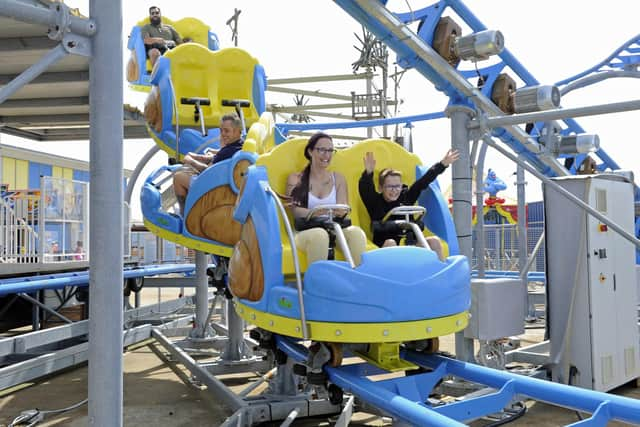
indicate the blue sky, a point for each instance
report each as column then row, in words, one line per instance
column 552, row 39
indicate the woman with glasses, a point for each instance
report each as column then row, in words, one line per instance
column 316, row 186
column 393, row 194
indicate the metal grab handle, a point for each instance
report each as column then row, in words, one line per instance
column 296, row 262
column 158, row 172
column 337, row 229
column 197, row 115
column 238, row 104
column 330, row 208
column 406, row 211
column 194, row 100
column 342, row 242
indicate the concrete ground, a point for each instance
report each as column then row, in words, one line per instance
column 157, row 392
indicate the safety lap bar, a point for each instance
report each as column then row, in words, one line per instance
column 408, row 211
column 342, row 241
column 296, row 262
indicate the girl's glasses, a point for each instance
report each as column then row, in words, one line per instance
column 325, row 150
column 393, row 187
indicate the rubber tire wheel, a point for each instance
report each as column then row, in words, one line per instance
column 336, row 395
column 336, row 354
column 135, row 284
column 434, row 345
column 281, row 357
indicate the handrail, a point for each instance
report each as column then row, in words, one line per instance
column 14, row 229
column 342, row 241
column 407, row 211
column 337, row 229
column 296, row 262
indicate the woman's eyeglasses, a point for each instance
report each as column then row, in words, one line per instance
column 326, row 150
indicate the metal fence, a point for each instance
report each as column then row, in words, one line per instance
column 18, row 235
column 501, row 247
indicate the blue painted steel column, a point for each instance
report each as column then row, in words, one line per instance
column 106, row 222
column 462, row 212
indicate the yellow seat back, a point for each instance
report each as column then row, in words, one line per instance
column 350, row 163
column 283, row 160
column 262, row 133
column 225, row 74
column 288, row 158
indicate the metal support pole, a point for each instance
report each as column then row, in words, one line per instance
column 48, row 59
column 559, row 114
column 462, row 213
column 202, row 297
column 41, row 222
column 369, row 92
column 52, row 16
column 235, row 326
column 522, row 236
column 136, row 172
column 35, row 312
column 480, row 242
column 38, row 304
column 106, row 240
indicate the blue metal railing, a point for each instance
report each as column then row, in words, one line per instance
column 81, row 278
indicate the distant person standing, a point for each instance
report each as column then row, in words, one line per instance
column 158, row 37
column 78, row 252
column 55, row 251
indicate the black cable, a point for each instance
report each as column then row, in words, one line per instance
column 573, row 371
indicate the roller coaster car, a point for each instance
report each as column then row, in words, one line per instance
column 188, row 84
column 139, row 67
column 395, row 295
column 208, row 225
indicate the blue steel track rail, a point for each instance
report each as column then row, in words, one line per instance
column 404, row 397
column 81, row 278
column 414, row 51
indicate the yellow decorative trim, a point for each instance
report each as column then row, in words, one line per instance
column 504, row 213
column 140, row 88
column 386, row 356
column 180, row 239
column 355, row 332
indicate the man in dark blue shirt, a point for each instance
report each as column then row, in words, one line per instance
column 230, row 142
